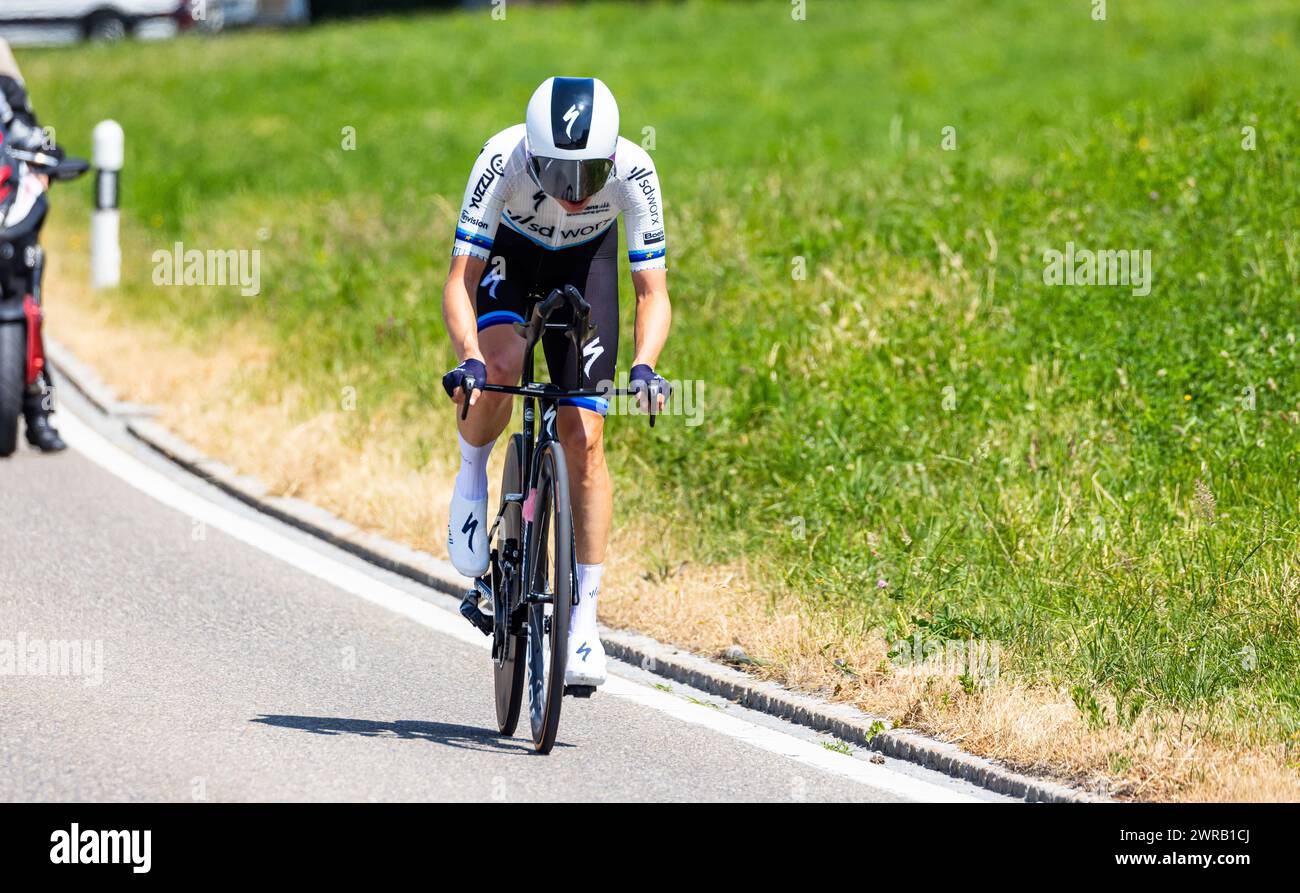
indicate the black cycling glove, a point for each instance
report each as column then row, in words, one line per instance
column 470, row 372
column 643, row 380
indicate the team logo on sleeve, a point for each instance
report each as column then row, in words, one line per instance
column 651, row 238
column 641, row 176
column 496, row 168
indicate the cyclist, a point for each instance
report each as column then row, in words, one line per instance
column 19, row 127
column 539, row 213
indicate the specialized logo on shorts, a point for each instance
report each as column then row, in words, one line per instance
column 591, row 351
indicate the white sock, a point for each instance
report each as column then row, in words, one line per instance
column 584, row 612
column 471, row 480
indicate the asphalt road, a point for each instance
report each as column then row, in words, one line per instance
column 227, row 673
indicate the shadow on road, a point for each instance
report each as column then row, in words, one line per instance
column 468, row 737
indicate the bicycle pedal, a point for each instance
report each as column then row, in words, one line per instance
column 579, row 691
column 469, row 610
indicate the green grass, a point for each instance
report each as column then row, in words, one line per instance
column 1094, row 493
column 837, row 746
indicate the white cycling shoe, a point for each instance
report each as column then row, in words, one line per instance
column 586, row 663
column 467, row 535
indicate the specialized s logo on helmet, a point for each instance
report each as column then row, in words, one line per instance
column 571, row 103
column 571, row 115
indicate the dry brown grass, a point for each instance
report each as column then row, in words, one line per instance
column 1037, row 729
column 202, row 390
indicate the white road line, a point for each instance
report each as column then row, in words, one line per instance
column 261, row 535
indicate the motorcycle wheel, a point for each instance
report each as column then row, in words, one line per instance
column 13, row 381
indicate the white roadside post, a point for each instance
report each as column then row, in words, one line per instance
column 105, row 249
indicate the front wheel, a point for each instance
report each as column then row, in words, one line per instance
column 13, row 381
column 550, row 572
column 508, row 641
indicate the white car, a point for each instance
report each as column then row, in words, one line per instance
column 63, row 21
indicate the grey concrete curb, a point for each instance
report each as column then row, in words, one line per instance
column 841, row 720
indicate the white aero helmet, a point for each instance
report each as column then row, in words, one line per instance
column 571, row 133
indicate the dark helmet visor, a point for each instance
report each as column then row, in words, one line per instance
column 570, row 179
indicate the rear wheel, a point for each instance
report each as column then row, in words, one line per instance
column 508, row 641
column 13, row 381
column 550, row 574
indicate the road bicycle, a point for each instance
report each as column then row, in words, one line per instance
column 530, row 583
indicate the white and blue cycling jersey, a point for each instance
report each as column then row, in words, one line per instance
column 501, row 193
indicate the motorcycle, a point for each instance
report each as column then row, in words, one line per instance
column 24, row 161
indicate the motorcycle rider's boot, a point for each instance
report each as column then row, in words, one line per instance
column 40, row 433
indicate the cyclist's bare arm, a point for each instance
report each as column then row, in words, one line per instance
column 458, row 313
column 654, row 316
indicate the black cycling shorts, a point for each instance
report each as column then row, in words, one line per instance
column 520, row 273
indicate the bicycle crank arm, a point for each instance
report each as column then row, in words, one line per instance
column 469, row 610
